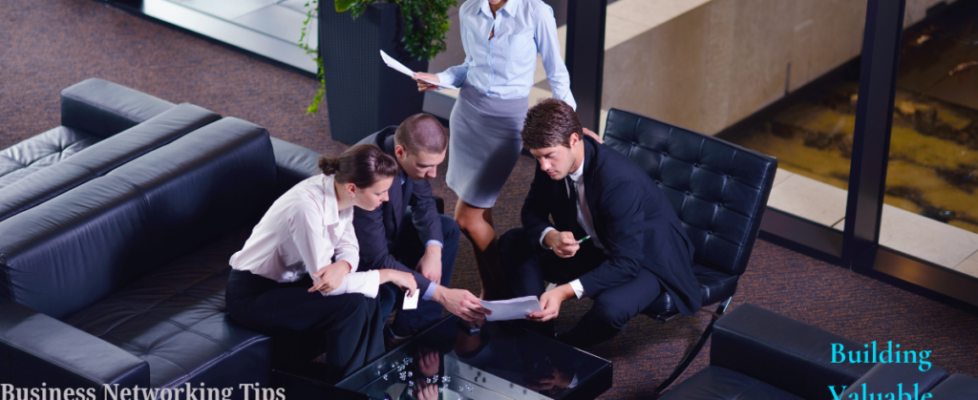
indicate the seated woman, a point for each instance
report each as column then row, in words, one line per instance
column 297, row 270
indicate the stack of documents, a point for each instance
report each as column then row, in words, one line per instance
column 391, row 62
column 517, row 308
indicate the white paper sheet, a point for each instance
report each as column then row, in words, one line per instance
column 391, row 62
column 517, row 308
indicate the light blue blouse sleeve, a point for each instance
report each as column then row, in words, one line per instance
column 455, row 75
column 545, row 37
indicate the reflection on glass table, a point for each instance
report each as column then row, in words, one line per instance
column 486, row 360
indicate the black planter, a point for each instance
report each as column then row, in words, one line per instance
column 363, row 95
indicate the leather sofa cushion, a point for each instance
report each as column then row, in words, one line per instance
column 295, row 163
column 885, row 378
column 718, row 383
column 957, row 387
column 77, row 248
column 32, row 155
column 782, row 352
column 103, row 108
column 98, row 158
column 174, row 318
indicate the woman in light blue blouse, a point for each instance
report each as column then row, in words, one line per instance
column 501, row 40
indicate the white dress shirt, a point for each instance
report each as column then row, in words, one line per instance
column 583, row 218
column 502, row 67
column 302, row 232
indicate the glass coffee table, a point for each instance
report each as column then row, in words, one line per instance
column 454, row 360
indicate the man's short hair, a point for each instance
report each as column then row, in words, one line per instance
column 550, row 123
column 421, row 132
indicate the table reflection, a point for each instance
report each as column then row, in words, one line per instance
column 458, row 360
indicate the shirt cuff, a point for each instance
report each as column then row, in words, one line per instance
column 445, row 77
column 542, row 236
column 430, row 291
column 353, row 260
column 433, row 241
column 366, row 283
column 578, row 288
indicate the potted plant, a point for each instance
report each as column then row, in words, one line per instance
column 363, row 95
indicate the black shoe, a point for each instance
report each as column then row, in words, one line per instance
column 391, row 340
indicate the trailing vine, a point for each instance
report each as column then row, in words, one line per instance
column 427, row 24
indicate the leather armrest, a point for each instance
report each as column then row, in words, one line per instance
column 104, row 108
column 294, row 163
column 36, row 349
column 782, row 352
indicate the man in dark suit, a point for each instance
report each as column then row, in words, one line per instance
column 636, row 246
column 419, row 241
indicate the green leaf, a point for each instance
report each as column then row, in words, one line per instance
column 343, row 5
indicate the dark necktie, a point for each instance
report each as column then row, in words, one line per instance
column 575, row 227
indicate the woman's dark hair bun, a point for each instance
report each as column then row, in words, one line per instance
column 361, row 165
column 329, row 165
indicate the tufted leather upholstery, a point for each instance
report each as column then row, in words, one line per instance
column 719, row 190
column 101, row 256
column 191, row 339
column 38, row 152
column 91, row 111
column 44, row 180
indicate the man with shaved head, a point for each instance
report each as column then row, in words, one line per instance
column 420, row 240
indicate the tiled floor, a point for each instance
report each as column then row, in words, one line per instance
column 270, row 28
column 909, row 233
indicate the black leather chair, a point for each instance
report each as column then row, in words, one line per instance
column 718, row 189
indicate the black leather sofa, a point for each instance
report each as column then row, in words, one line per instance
column 121, row 278
column 104, row 125
column 758, row 354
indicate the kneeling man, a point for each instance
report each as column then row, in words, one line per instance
column 614, row 238
column 418, row 240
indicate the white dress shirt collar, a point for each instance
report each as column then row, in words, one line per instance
column 576, row 175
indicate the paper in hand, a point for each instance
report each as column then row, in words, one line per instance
column 517, row 308
column 397, row 66
column 411, row 302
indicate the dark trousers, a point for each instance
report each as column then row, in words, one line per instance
column 348, row 327
column 528, row 265
column 408, row 250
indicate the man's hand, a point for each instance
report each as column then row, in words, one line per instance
column 563, row 243
column 330, row 277
column 430, row 265
column 593, row 135
column 550, row 303
column 428, row 363
column 403, row 280
column 460, row 302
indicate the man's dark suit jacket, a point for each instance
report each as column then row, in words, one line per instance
column 632, row 218
column 376, row 230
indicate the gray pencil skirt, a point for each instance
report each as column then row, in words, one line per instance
column 484, row 145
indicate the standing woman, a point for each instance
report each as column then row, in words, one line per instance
column 501, row 39
column 297, row 270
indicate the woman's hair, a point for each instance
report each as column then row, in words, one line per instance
column 362, row 165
